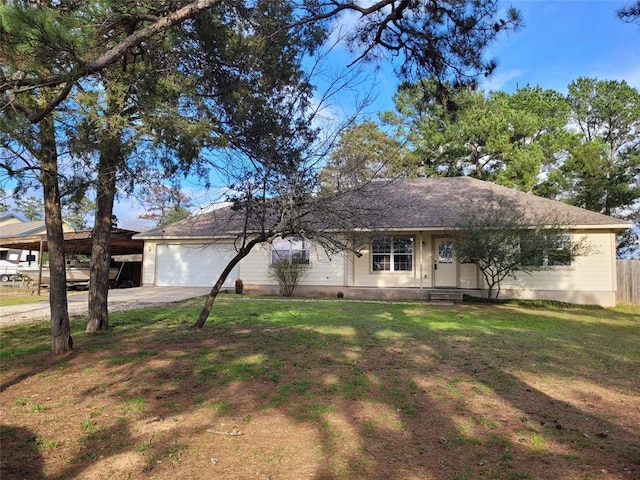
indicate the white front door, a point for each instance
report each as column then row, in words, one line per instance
column 445, row 265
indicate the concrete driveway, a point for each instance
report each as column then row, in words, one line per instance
column 119, row 299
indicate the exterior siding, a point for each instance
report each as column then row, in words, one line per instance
column 423, row 273
column 591, row 279
column 594, row 272
column 323, row 271
column 10, row 220
column 253, row 267
column 468, row 276
column 364, row 276
column 425, row 269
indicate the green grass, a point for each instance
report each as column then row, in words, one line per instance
column 9, row 298
column 47, row 444
column 220, row 407
column 388, row 370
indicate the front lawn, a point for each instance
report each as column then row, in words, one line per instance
column 299, row 389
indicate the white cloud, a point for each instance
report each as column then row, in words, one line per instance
column 498, row 80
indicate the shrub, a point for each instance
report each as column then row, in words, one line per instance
column 288, row 273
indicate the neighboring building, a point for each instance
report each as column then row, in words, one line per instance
column 8, row 219
column 410, row 258
column 12, row 226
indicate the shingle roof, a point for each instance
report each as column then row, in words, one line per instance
column 433, row 203
column 77, row 242
column 412, row 204
column 220, row 222
column 23, row 228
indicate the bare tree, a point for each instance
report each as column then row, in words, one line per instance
column 288, row 273
column 273, row 200
column 503, row 239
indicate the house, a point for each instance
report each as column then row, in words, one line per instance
column 409, row 255
column 13, row 226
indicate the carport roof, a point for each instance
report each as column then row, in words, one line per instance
column 78, row 242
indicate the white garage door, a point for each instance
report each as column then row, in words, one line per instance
column 193, row 265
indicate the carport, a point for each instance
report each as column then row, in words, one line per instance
column 126, row 251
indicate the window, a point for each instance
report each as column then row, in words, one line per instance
column 558, row 254
column 561, row 254
column 392, row 254
column 445, row 252
column 290, row 249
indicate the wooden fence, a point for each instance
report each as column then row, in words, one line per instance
column 628, row 282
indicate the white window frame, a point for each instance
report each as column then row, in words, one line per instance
column 564, row 241
column 290, row 248
column 393, row 252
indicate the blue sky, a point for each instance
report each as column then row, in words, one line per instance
column 563, row 40
column 560, row 41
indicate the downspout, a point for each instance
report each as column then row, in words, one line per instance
column 353, row 269
column 421, row 260
column 614, row 268
column 345, row 268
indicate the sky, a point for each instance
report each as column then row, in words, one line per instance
column 563, row 40
column 560, row 41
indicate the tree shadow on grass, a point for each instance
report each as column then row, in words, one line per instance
column 27, row 349
column 21, row 456
column 365, row 390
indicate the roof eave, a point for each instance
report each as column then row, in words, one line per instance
column 620, row 227
column 184, row 237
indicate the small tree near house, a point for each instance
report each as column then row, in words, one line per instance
column 293, row 208
column 289, row 263
column 503, row 239
column 288, row 274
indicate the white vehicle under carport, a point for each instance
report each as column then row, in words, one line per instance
column 8, row 270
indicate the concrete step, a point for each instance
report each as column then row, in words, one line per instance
column 446, row 296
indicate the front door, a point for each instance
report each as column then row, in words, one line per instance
column 445, row 266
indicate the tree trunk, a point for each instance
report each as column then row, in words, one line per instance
column 110, row 158
column 208, row 304
column 61, row 340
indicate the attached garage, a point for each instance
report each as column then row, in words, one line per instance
column 193, row 265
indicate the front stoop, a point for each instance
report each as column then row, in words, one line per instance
column 445, row 296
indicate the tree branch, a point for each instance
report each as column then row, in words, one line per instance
column 114, row 54
column 37, row 118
